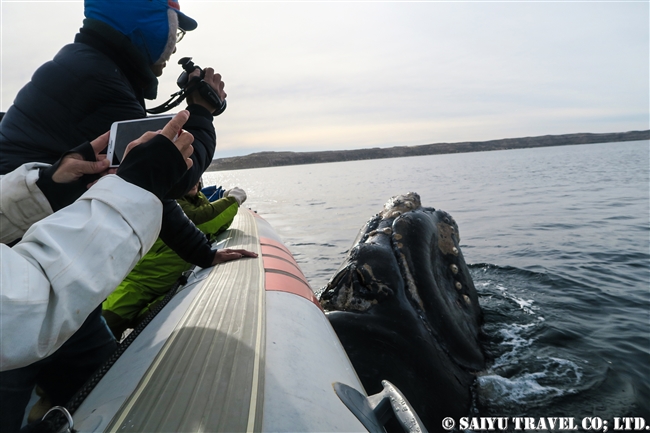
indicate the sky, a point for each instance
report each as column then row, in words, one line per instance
column 306, row 76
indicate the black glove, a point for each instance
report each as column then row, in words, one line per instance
column 61, row 195
column 211, row 96
column 155, row 165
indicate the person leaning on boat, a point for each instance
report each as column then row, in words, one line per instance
column 159, row 269
column 68, row 261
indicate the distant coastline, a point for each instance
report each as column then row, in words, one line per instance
column 276, row 159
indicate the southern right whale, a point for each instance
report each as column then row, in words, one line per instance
column 405, row 308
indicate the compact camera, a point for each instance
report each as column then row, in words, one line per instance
column 197, row 83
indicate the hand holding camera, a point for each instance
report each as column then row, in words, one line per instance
column 202, row 86
column 159, row 160
column 199, row 86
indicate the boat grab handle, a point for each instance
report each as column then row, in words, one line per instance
column 374, row 411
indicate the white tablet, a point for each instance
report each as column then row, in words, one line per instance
column 124, row 132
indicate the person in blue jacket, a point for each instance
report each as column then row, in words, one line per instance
column 103, row 77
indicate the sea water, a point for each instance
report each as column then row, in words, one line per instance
column 558, row 244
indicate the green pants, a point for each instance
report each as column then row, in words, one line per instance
column 147, row 283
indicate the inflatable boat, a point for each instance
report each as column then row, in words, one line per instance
column 241, row 346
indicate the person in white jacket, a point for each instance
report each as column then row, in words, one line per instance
column 69, row 261
column 22, row 202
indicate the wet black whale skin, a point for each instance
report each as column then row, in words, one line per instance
column 422, row 336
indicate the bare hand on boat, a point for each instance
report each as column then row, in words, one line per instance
column 227, row 255
column 73, row 165
column 174, row 132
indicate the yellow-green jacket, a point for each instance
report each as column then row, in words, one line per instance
column 159, row 269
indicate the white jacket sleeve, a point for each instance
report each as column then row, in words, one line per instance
column 21, row 202
column 66, row 265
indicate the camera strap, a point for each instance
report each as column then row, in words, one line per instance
column 204, row 89
column 170, row 103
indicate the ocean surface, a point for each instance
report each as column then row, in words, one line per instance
column 558, row 244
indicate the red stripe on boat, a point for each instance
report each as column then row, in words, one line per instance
column 282, row 272
column 275, row 248
column 289, row 284
column 285, row 266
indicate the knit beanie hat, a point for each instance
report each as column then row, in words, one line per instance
column 151, row 25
